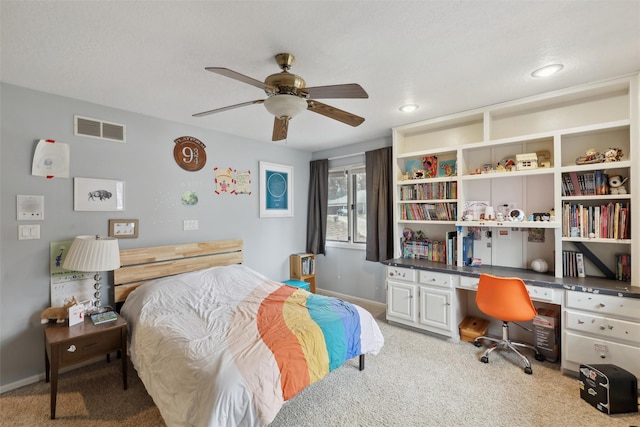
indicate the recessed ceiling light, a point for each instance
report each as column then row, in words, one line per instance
column 547, row 70
column 409, row 108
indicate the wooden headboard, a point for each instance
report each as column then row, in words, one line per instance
column 142, row 264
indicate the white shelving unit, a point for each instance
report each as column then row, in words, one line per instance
column 565, row 124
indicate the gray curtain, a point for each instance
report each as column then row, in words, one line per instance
column 317, row 206
column 379, row 205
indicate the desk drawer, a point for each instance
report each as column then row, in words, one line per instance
column 84, row 348
column 586, row 350
column 440, row 280
column 471, row 283
column 539, row 293
column 602, row 326
column 400, row 273
column 604, row 304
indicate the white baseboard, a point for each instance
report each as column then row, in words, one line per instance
column 40, row 377
column 351, row 298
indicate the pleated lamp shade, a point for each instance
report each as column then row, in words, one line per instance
column 93, row 253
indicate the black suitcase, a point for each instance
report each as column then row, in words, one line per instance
column 609, row 388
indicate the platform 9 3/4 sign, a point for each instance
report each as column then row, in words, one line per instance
column 189, row 153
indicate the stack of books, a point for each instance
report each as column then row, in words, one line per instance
column 105, row 317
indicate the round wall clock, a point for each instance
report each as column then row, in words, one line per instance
column 189, row 153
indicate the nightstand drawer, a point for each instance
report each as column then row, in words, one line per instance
column 86, row 347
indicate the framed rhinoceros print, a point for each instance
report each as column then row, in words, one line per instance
column 98, row 194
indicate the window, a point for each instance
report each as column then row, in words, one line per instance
column 347, row 205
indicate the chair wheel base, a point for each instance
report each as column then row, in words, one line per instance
column 484, row 359
column 528, row 370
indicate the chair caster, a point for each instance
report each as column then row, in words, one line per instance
column 539, row 357
column 477, row 343
column 484, row 359
column 528, row 370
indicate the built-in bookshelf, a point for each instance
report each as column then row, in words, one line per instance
column 546, row 156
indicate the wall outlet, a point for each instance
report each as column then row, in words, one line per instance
column 190, row 224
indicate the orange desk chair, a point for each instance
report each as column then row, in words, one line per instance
column 506, row 299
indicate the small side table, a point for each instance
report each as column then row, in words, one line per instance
column 68, row 345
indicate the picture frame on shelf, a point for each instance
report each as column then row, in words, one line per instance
column 276, row 190
column 430, row 166
column 103, row 195
column 447, row 168
column 124, row 228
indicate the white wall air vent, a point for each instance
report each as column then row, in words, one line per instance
column 94, row 128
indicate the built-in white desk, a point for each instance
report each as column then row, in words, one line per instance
column 599, row 318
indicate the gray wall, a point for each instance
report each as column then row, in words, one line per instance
column 345, row 271
column 154, row 184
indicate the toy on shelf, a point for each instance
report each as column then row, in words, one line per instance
column 616, row 185
column 613, row 155
column 594, row 156
column 58, row 313
column 526, row 161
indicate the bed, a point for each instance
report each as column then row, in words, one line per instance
column 216, row 343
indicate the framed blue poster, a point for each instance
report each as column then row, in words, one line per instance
column 276, row 190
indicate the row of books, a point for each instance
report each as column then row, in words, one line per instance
column 623, row 267
column 610, row 221
column 428, row 211
column 429, row 191
column 587, row 184
column 443, row 251
column 308, row 265
column 572, row 264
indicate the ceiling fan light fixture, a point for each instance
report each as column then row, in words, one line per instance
column 547, row 70
column 283, row 106
column 409, row 108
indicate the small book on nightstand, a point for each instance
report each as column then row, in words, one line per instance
column 107, row 316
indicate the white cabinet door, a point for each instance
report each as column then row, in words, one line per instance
column 401, row 302
column 435, row 308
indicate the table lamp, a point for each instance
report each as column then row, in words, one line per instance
column 93, row 254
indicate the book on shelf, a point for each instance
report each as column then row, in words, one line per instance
column 104, row 317
column 580, row 264
column 623, row 267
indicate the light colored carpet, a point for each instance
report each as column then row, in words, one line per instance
column 417, row 380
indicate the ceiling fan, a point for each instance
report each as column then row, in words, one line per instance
column 288, row 95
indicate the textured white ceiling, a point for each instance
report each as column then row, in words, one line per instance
column 447, row 56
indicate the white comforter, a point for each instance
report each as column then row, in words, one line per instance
column 227, row 347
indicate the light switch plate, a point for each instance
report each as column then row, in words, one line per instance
column 28, row 232
column 190, row 224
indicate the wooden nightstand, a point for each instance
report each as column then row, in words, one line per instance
column 68, row 345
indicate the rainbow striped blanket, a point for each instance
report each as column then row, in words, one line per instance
column 227, row 346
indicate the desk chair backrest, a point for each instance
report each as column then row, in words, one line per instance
column 504, row 298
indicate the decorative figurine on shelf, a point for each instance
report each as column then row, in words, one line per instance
column 616, row 185
column 591, row 156
column 613, row 155
column 58, row 313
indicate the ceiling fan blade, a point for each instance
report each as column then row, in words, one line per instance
column 229, row 107
column 280, row 127
column 241, row 77
column 351, row 90
column 334, row 113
